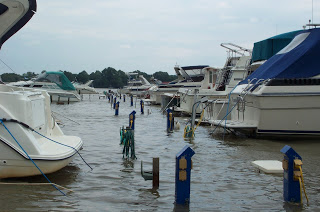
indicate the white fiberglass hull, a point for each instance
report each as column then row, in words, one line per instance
column 63, row 96
column 26, row 126
column 14, row 163
column 278, row 110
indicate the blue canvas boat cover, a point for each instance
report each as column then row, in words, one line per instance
column 299, row 59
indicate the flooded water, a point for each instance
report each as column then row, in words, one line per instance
column 222, row 177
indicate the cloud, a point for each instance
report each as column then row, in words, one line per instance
column 146, row 34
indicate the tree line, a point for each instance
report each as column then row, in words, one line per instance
column 107, row 78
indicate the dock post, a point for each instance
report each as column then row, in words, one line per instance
column 117, row 108
column 155, row 171
column 292, row 174
column 132, row 117
column 114, row 102
column 124, row 98
column 183, row 175
column 142, row 106
column 170, row 120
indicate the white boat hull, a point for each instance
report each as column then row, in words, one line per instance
column 12, row 164
column 273, row 110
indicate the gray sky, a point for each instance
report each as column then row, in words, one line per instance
column 145, row 35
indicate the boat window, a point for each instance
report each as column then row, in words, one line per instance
column 3, row 8
column 210, row 76
column 37, row 86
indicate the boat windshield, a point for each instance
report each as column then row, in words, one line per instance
column 194, row 73
column 56, row 77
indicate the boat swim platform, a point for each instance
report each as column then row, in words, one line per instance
column 234, row 124
column 203, row 122
column 268, row 166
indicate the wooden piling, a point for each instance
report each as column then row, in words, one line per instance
column 155, row 170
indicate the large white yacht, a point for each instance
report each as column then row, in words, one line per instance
column 282, row 96
column 27, row 129
column 217, row 106
column 217, row 83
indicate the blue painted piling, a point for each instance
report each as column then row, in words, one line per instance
column 183, row 175
column 132, row 117
column 291, row 186
column 114, row 102
column 170, row 120
column 142, row 106
column 117, row 108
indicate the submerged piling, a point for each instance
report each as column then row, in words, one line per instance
column 155, row 170
column 117, row 108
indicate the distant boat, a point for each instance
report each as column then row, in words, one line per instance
column 55, row 83
column 189, row 77
column 85, row 88
column 137, row 85
column 28, row 133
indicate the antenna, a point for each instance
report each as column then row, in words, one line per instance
column 312, row 12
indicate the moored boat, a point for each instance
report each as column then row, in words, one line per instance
column 281, row 97
column 31, row 142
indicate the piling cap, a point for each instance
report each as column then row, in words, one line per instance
column 287, row 150
column 185, row 151
column 133, row 112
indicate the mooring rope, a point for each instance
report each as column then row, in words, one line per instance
column 37, row 184
column 31, row 159
column 33, row 130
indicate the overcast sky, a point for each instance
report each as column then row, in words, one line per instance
column 146, row 35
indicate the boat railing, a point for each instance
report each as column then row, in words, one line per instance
column 236, row 49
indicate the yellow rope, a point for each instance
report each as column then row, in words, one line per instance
column 304, row 189
column 300, row 190
column 198, row 122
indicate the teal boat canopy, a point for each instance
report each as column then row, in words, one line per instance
column 56, row 77
column 265, row 49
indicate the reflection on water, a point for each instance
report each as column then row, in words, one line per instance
column 222, row 176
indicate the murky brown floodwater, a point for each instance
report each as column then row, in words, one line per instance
column 222, row 178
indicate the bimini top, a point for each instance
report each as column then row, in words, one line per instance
column 56, row 77
column 265, row 49
column 299, row 59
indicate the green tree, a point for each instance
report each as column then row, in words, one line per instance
column 97, row 79
column 70, row 76
column 11, row 77
column 164, row 76
column 82, row 77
